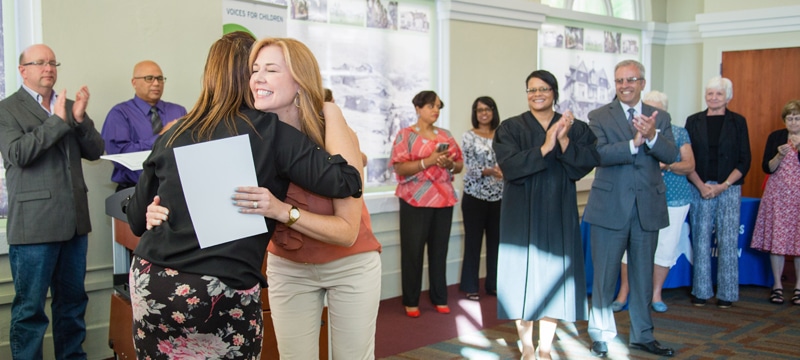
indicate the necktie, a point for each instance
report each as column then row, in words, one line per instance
column 155, row 120
column 631, row 111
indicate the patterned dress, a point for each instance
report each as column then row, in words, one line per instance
column 777, row 230
column 206, row 318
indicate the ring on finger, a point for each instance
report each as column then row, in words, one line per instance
column 255, row 204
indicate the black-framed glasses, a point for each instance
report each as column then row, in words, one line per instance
column 42, row 63
column 535, row 90
column 630, row 80
column 483, row 110
column 150, row 78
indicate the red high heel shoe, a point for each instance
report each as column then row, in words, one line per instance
column 442, row 309
column 412, row 313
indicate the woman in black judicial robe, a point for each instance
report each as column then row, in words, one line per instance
column 540, row 262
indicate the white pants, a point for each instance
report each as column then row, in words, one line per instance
column 668, row 238
column 296, row 298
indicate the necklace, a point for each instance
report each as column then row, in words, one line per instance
column 435, row 131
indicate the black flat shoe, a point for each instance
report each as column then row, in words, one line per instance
column 722, row 304
column 654, row 347
column 696, row 301
column 599, row 348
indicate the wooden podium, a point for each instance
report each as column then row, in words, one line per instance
column 120, row 325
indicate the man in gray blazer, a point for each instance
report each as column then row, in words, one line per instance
column 627, row 206
column 43, row 137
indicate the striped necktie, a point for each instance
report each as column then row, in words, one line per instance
column 155, row 120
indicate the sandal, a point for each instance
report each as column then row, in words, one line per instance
column 776, row 296
column 796, row 297
column 473, row 296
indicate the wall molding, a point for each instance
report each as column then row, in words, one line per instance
column 749, row 22
column 513, row 13
column 679, row 33
column 98, row 278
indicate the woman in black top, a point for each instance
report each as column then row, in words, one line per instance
column 721, row 148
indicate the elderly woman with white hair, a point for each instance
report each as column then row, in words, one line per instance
column 679, row 196
column 721, row 148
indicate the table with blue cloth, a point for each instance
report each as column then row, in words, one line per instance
column 754, row 266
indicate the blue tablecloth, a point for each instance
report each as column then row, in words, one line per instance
column 754, row 266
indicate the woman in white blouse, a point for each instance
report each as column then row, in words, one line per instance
column 480, row 205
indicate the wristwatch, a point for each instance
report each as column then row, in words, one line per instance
column 294, row 215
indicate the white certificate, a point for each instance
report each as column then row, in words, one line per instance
column 133, row 161
column 210, row 172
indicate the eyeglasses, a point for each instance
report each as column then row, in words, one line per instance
column 793, row 118
column 535, row 90
column 150, row 78
column 483, row 110
column 42, row 63
column 630, row 80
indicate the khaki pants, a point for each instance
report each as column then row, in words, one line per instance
column 296, row 296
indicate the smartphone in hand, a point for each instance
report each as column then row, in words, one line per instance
column 442, row 147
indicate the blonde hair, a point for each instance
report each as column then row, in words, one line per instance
column 305, row 71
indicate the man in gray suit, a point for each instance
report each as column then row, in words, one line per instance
column 627, row 206
column 43, row 137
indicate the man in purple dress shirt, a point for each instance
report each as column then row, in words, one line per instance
column 135, row 124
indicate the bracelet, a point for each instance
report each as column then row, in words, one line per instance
column 727, row 183
column 422, row 164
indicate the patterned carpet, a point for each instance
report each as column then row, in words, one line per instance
column 751, row 329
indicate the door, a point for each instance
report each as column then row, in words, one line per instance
column 763, row 81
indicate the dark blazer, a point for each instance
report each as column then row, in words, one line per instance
column 734, row 145
column 47, row 195
column 623, row 178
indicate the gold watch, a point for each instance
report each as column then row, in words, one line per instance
column 294, row 215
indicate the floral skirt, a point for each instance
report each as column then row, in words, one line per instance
column 188, row 316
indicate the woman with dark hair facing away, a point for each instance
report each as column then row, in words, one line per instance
column 777, row 230
column 424, row 158
column 540, row 273
column 197, row 302
column 480, row 204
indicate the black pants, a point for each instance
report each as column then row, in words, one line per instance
column 420, row 226
column 479, row 217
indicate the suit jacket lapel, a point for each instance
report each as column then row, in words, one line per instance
column 30, row 104
column 616, row 113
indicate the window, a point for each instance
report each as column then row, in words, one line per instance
column 624, row 9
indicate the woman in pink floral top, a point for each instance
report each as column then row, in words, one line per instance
column 424, row 185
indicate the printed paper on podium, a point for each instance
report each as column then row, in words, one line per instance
column 210, row 172
column 133, row 161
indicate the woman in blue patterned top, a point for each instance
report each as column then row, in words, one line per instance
column 679, row 196
column 480, row 205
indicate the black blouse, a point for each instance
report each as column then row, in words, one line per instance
column 281, row 154
column 777, row 138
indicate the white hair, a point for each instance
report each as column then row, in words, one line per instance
column 721, row 83
column 658, row 97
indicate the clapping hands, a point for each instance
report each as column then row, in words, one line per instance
column 645, row 128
